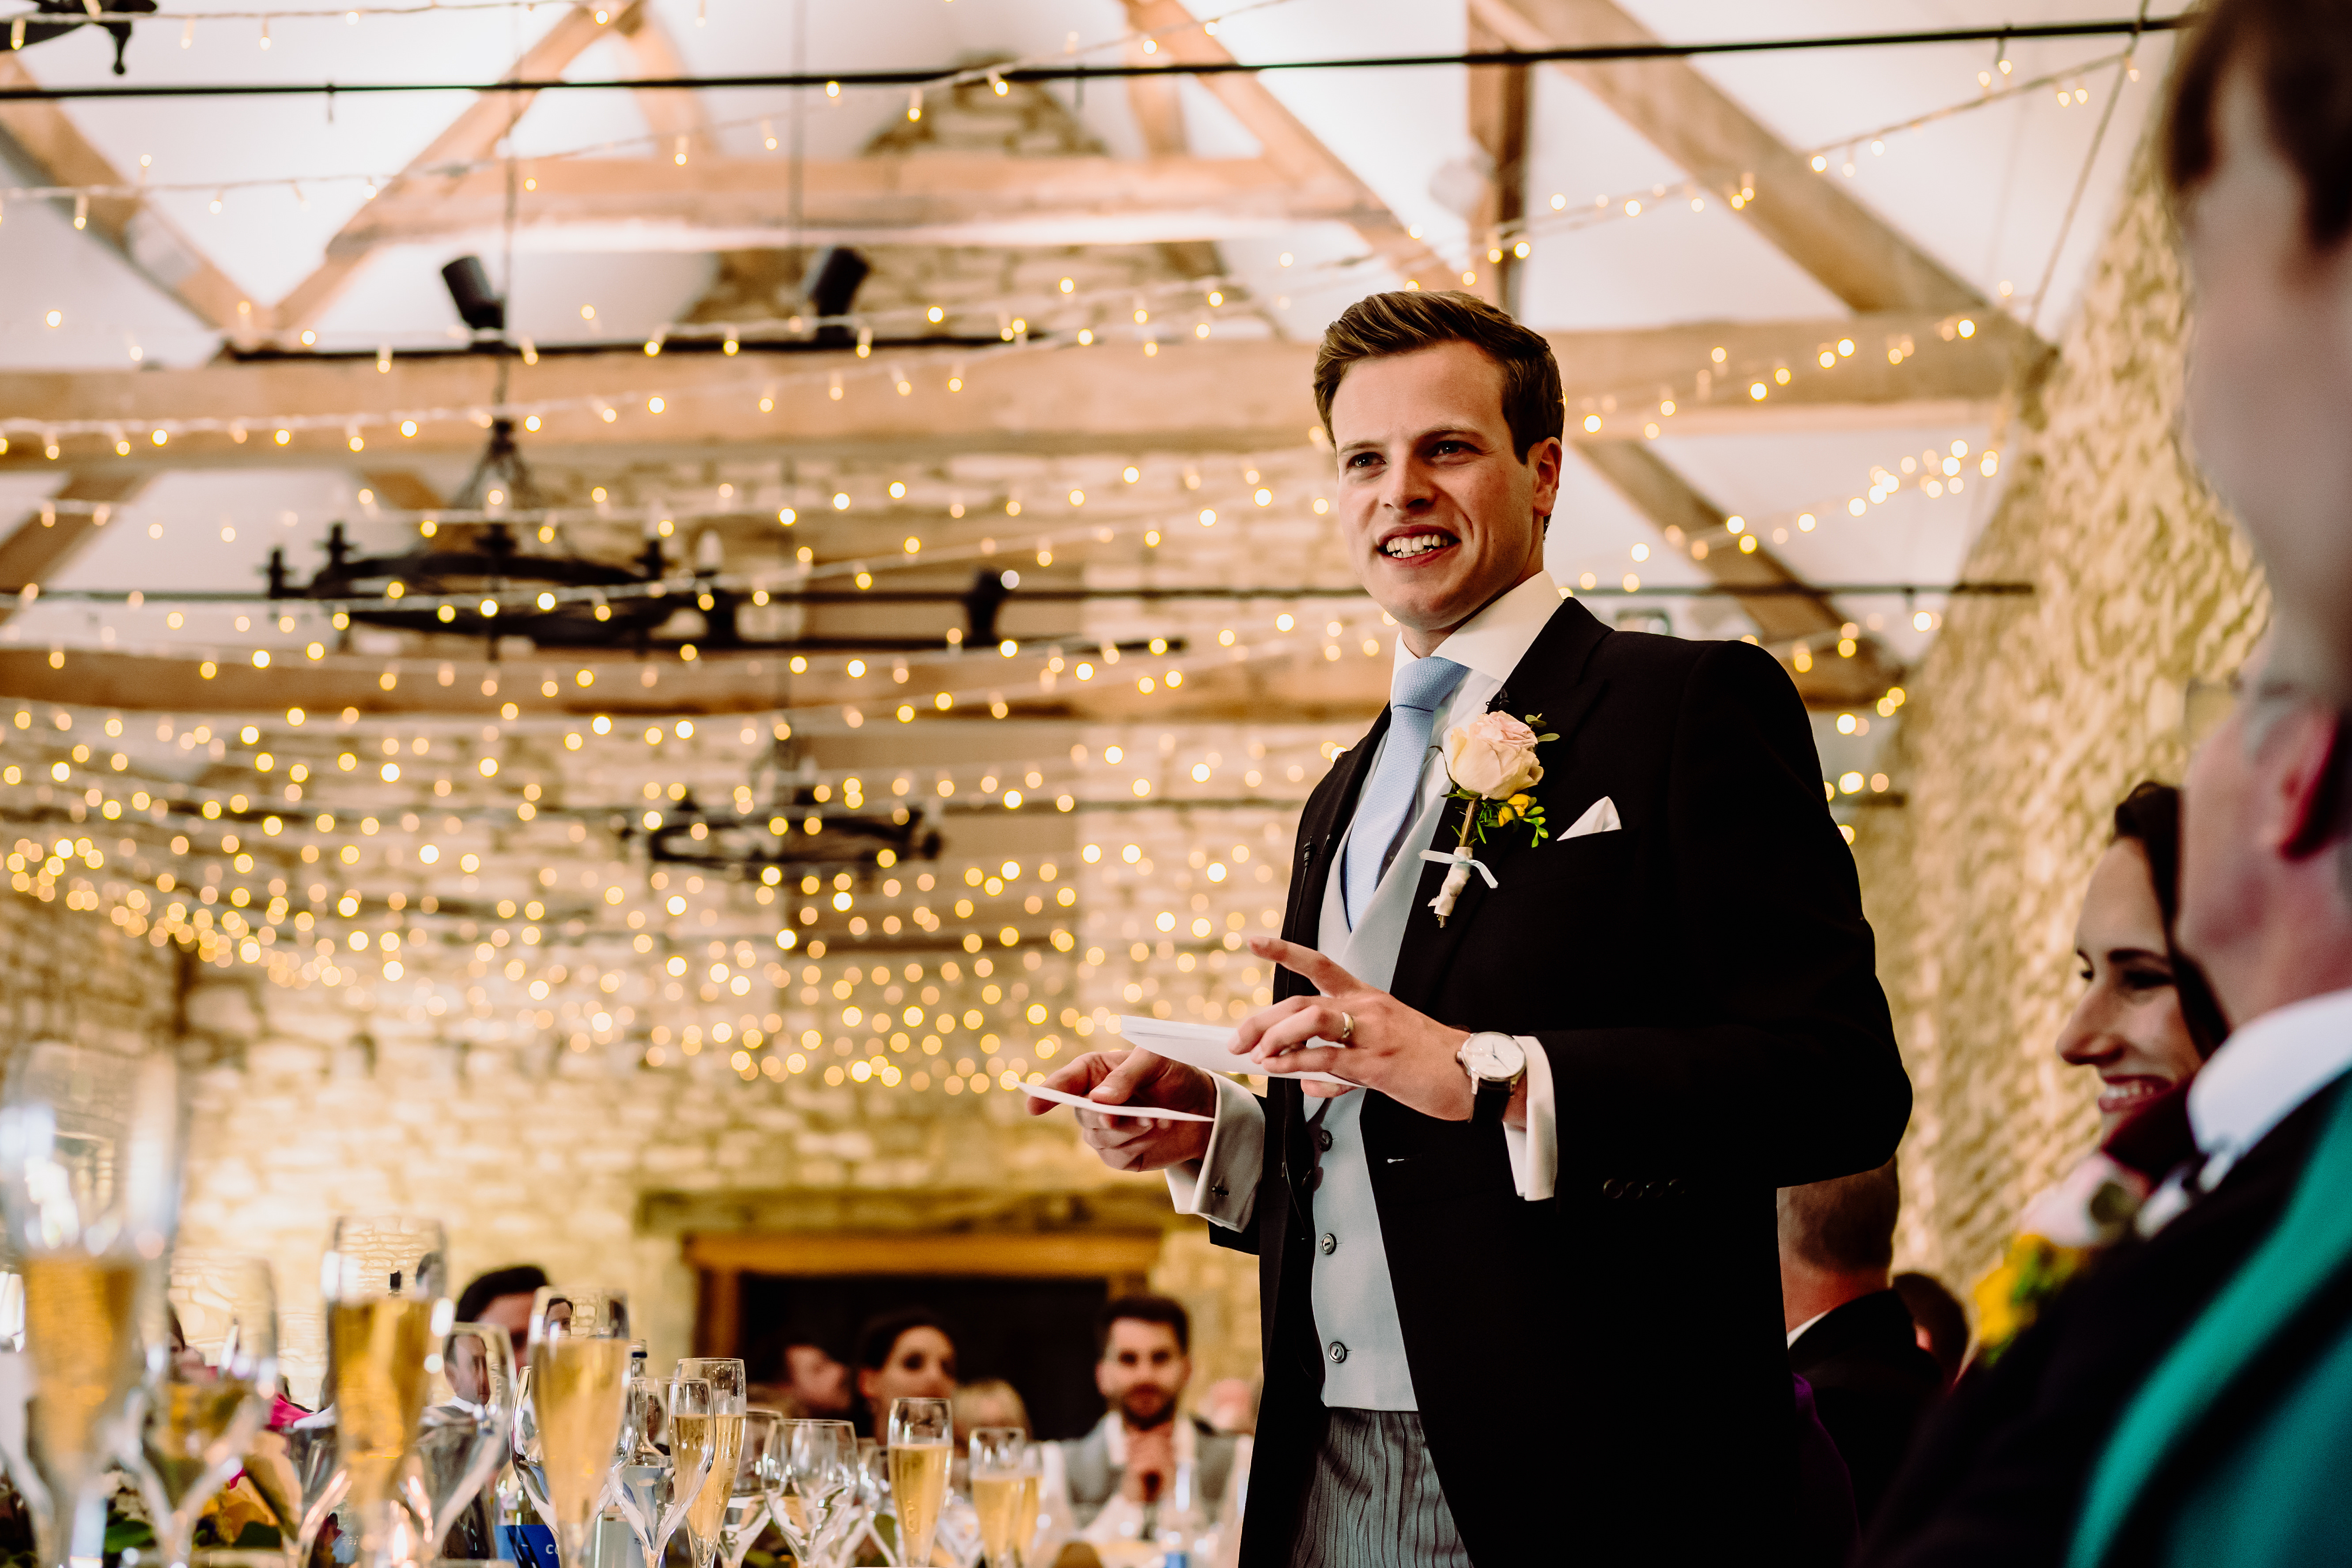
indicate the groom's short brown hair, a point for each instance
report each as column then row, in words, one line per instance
column 1405, row 320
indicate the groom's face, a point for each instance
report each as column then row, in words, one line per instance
column 1438, row 513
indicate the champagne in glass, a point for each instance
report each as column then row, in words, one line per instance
column 387, row 1287
column 747, row 1498
column 922, row 1450
column 1004, row 1477
column 89, row 1186
column 720, row 1436
column 656, row 1487
column 579, row 1376
column 212, row 1358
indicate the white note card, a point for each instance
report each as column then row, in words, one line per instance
column 1204, row 1045
column 1140, row 1112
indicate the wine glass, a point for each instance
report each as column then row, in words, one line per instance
column 922, row 1447
column 579, row 1376
column 747, row 1508
column 385, row 1279
column 654, row 1487
column 89, row 1189
column 461, row 1442
column 212, row 1372
column 1005, row 1474
column 721, row 1436
column 815, row 1467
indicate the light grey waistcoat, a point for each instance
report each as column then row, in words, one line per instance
column 1355, row 1304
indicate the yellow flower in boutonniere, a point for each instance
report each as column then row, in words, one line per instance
column 1491, row 763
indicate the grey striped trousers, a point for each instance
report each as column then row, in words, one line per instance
column 1374, row 1500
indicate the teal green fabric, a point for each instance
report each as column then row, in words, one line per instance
column 2283, row 1494
column 2311, row 1243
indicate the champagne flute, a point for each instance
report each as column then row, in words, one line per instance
column 654, row 1487
column 814, row 1464
column 212, row 1370
column 461, row 1441
column 385, row 1279
column 747, row 1508
column 579, row 1376
column 720, row 1436
column 1004, row 1480
column 89, row 1189
column 922, row 1448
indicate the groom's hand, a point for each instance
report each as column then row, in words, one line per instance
column 1119, row 1078
column 1407, row 1056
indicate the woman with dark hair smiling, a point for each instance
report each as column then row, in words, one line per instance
column 2147, row 1020
column 905, row 1355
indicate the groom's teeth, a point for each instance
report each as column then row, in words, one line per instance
column 1414, row 544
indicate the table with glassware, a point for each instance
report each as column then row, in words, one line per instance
column 124, row 1354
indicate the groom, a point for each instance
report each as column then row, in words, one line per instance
column 1520, row 1292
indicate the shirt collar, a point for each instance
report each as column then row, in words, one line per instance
column 1799, row 1332
column 2264, row 1072
column 1493, row 641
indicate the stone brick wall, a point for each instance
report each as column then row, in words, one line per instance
column 2027, row 721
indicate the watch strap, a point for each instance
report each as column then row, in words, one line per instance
column 1493, row 1097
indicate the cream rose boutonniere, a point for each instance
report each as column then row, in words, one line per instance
column 1491, row 763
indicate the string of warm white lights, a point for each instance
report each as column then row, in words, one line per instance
column 1520, row 235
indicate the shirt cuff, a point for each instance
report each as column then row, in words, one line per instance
column 1535, row 1148
column 1221, row 1186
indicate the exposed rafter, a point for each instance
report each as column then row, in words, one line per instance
column 1283, row 140
column 1855, row 253
column 471, row 136
column 44, row 137
column 1693, row 526
column 939, row 198
column 48, row 537
column 1499, row 102
column 1218, row 396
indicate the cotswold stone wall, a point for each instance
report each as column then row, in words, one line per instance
column 2027, row 721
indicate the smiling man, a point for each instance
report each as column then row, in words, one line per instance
column 1520, row 1290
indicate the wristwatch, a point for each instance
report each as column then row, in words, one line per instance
column 1495, row 1064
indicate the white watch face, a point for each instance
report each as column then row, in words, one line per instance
column 1494, row 1058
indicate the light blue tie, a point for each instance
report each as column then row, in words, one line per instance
column 1388, row 796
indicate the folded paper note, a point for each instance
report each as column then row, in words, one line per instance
column 1141, row 1113
column 1203, row 1046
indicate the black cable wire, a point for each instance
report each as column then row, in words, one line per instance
column 1653, row 50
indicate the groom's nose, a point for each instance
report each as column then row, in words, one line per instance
column 1408, row 487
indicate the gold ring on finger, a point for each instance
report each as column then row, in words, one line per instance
column 1346, row 1027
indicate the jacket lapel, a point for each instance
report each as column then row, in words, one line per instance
column 1550, row 679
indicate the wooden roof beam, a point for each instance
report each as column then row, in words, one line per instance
column 46, row 137
column 473, row 135
column 1693, row 528
column 950, row 198
column 45, row 539
column 1284, row 140
column 1854, row 252
column 1224, row 394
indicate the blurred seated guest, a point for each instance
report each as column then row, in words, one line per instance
column 1850, row 1337
column 2147, row 1021
column 503, row 1297
column 906, row 1355
column 2002, row 1473
column 1231, row 1406
column 1130, row 1462
column 817, row 1379
column 1941, row 1322
column 991, row 1402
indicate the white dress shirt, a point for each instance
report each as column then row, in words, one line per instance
column 1355, row 1306
column 2263, row 1073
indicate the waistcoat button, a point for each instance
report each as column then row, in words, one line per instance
column 1331, row 1244
column 1339, row 1351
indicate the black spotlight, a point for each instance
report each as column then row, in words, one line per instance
column 830, row 285
column 469, row 291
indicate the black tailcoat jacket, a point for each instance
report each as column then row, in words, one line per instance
column 1603, row 1376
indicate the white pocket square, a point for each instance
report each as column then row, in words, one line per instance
column 1601, row 816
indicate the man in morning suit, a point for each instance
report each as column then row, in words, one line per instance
column 1579, row 1091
